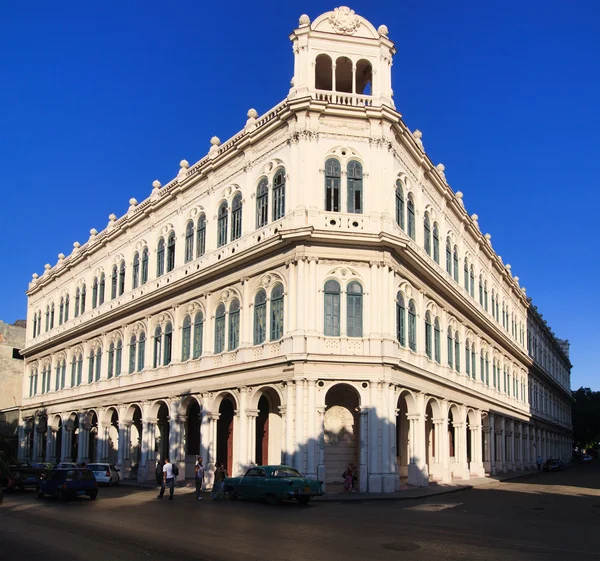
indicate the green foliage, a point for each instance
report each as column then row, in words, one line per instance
column 586, row 418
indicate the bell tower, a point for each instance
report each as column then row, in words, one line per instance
column 341, row 58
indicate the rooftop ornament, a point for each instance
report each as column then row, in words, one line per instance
column 76, row 245
column 441, row 168
column 214, row 146
column 344, row 20
column 383, row 30
column 112, row 218
column 61, row 256
column 488, row 237
column 459, row 196
column 183, row 167
column 132, row 204
column 47, row 267
column 304, row 20
column 35, row 276
column 93, row 233
column 516, row 280
column 475, row 218
column 418, row 136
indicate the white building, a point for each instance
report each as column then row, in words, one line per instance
column 310, row 292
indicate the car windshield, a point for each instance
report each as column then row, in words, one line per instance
column 286, row 472
column 96, row 467
column 85, row 474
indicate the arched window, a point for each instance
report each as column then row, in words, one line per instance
column 35, row 324
column 400, row 203
column 98, row 363
column 141, row 351
column 344, row 75
column 144, row 279
column 400, row 319
column 497, row 306
column 354, row 183
column 493, row 301
column 66, row 308
column 189, row 242
column 48, row 315
column 135, row 270
column 234, row 324
column 354, row 307
column 222, row 224
column 482, row 367
column 132, row 353
column 73, row 371
column 333, row 174
column 76, row 313
column 277, row 312
column 468, row 358
column 111, row 359
column 39, row 321
column 157, row 346
column 466, row 275
column 436, row 243
column 279, row 195
column 61, row 312
column 472, row 277
column 121, row 278
column 437, row 341
column 473, row 362
column 198, row 334
column 410, row 217
column 485, row 295
column 260, row 317
column 448, row 257
column 220, row 329
column 428, row 336
column 456, row 263
column 236, row 217
column 456, row 351
column 323, row 73
column 91, row 367
column 201, row 236
column 168, row 344
column 412, row 326
column 113, row 284
column 80, row 369
column 480, row 291
column 171, row 252
column 332, row 308
column 186, row 341
column 160, row 258
column 363, row 77
column 487, row 370
column 450, row 348
column 52, row 309
column 427, row 233
column 262, row 203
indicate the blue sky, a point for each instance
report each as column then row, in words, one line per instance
column 99, row 100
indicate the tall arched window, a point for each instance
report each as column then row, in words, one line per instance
column 189, row 241
column 260, row 317
column 485, row 295
column 279, row 195
column 487, row 369
column 456, row 351
column 450, row 348
column 468, row 358
column 412, row 326
column 332, row 308
column 480, row 291
column 144, row 278
column 111, row 360
column 333, row 174
column 80, row 369
column 141, row 351
column 67, row 308
column 234, row 324
column 222, row 224
column 135, row 270
column 113, row 283
column 186, row 338
column 168, row 344
column 157, row 346
column 35, row 324
column 493, row 301
column 236, row 217
column 52, row 309
column 427, row 233
column 76, row 313
column 121, row 278
column 437, row 338
column 456, row 263
column 400, row 203
column 132, row 353
column 436, row 243
column 354, row 307
column 61, row 311
column 171, row 252
column 277, row 312
column 262, row 203
column 473, row 362
column 428, row 336
column 448, row 257
column 472, row 278
column 220, row 329
column 73, row 371
column 160, row 258
column 466, row 275
column 354, row 182
column 48, row 315
column 410, row 217
column 201, row 236
column 400, row 319
column 198, row 334
column 482, row 366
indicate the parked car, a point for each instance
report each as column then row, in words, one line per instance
column 585, row 458
column 274, row 484
column 106, row 474
column 23, row 476
column 66, row 465
column 553, row 465
column 69, row 483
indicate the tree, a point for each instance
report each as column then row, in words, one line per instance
column 586, row 418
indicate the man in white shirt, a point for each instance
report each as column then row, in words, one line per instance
column 168, row 479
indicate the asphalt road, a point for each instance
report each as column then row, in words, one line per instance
column 545, row 516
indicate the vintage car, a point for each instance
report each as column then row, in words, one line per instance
column 273, row 484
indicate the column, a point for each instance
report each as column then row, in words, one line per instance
column 205, row 435
column 36, row 442
column 247, row 451
column 460, row 438
column 503, row 443
column 299, row 461
column 512, row 465
column 300, row 292
column 364, row 453
column 251, row 415
column 311, row 440
column 67, row 442
column 313, row 316
column 375, row 485
column 384, row 304
column 477, row 447
column 492, row 445
column 289, row 423
column 246, row 334
column 147, row 456
column 22, row 451
column 388, row 438
column 321, row 449
column 417, row 468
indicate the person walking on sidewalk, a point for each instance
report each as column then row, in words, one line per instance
column 539, row 463
column 199, row 472
column 220, row 475
column 168, row 479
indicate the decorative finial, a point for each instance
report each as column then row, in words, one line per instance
column 132, row 204
column 524, row 290
column 516, row 279
column 474, row 217
column 76, row 245
column 304, row 20
column 184, row 164
column 215, row 141
column 251, row 122
column 383, row 30
column 156, row 185
column 112, row 217
column 214, row 146
column 93, row 232
column 508, row 266
column 61, row 256
column 47, row 266
column 418, row 136
column 35, row 276
column 441, row 169
column 488, row 237
column 252, row 114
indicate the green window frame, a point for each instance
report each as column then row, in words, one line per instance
column 277, row 312
column 236, row 217
column 279, row 195
column 220, row 329
column 354, row 183
column 354, row 309
column 189, row 242
column 400, row 203
column 412, row 326
column 198, row 334
column 260, row 317
column 400, row 319
column 262, row 203
column 186, row 338
column 332, row 300
column 234, row 325
column 333, row 174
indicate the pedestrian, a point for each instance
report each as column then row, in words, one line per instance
column 349, row 478
column 199, row 471
column 168, row 479
column 159, row 472
column 220, row 475
column 539, row 463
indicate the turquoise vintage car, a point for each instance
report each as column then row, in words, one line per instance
column 274, row 484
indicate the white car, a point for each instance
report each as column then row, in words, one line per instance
column 105, row 473
column 66, row 465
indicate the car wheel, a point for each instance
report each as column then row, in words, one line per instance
column 60, row 495
column 271, row 499
column 110, row 482
column 40, row 494
column 93, row 496
column 233, row 496
column 303, row 500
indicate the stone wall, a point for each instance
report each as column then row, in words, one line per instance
column 12, row 340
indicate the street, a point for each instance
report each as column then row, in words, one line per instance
column 548, row 515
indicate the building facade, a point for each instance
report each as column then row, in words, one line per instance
column 310, row 292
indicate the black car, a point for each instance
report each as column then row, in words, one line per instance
column 553, row 465
column 68, row 483
column 21, row 476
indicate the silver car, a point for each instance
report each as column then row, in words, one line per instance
column 106, row 474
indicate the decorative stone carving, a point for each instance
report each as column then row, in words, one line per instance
column 76, row 246
column 459, row 196
column 383, row 30
column 61, row 256
column 344, row 20
column 418, row 135
column 35, row 276
column 304, row 20
column 215, row 142
column 441, row 168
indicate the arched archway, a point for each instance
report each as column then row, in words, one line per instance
column 341, row 425
column 225, row 433
column 268, row 430
column 433, row 451
column 161, row 442
column 73, row 450
column 406, row 407
column 190, row 408
column 93, row 438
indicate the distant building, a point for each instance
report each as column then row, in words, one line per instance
column 312, row 292
column 12, row 340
